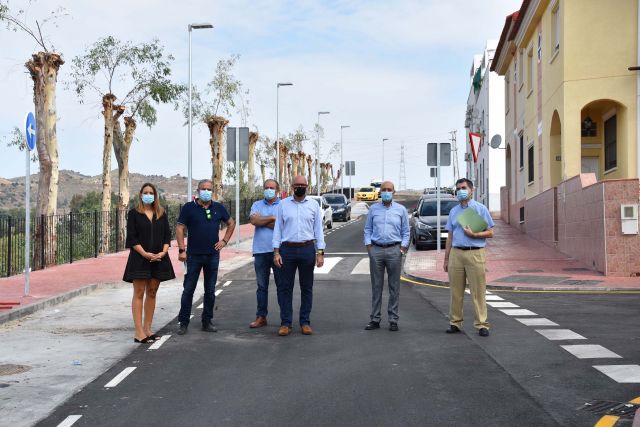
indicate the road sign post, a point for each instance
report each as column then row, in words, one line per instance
column 438, row 155
column 30, row 134
column 350, row 170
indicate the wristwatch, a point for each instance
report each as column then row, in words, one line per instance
column 320, row 252
column 226, row 242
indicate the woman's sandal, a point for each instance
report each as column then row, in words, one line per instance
column 154, row 337
column 146, row 340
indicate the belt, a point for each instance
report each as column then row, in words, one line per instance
column 385, row 246
column 298, row 244
column 466, row 248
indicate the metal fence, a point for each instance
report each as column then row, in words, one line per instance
column 61, row 239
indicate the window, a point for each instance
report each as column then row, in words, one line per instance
column 507, row 102
column 515, row 71
column 555, row 28
column 530, row 70
column 521, row 150
column 610, row 144
column 521, row 215
column 539, row 46
column 521, row 61
column 530, row 164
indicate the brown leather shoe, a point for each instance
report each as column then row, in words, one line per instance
column 306, row 330
column 259, row 322
column 284, row 330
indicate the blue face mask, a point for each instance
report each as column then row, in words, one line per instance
column 462, row 195
column 386, row 196
column 147, row 199
column 205, row 195
column 269, row 193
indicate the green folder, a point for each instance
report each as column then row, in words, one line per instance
column 471, row 218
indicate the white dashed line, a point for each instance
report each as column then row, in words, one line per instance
column 121, row 376
column 590, row 351
column 227, row 283
column 218, row 292
column 621, row 373
column 560, row 334
column 517, row 312
column 200, row 306
column 329, row 263
column 541, row 321
column 362, row 267
column 494, row 298
column 156, row 345
column 69, row 421
column 502, row 304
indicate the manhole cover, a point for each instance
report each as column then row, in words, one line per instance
column 606, row 407
column 579, row 282
column 532, row 270
column 10, row 369
column 533, row 280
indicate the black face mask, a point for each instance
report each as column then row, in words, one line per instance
column 300, row 191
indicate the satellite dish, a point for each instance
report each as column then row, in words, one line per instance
column 496, row 141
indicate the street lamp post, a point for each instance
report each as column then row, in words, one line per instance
column 343, row 127
column 318, row 152
column 383, row 140
column 189, row 177
column 277, row 129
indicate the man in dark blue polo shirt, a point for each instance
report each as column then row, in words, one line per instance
column 201, row 218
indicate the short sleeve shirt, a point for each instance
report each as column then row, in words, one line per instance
column 203, row 228
column 461, row 239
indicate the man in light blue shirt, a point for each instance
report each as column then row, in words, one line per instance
column 464, row 260
column 263, row 217
column 386, row 236
column 298, row 244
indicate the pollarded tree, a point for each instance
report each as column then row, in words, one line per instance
column 140, row 75
column 43, row 68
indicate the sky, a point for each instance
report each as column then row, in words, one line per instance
column 388, row 69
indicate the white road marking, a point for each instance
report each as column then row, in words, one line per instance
column 621, row 373
column 329, row 263
column 560, row 334
column 590, row 351
column 517, row 312
column 121, row 376
column 540, row 321
column 362, row 267
column 218, row 292
column 467, row 291
column 190, row 317
column 502, row 304
column 494, row 298
column 227, row 283
column 69, row 421
column 201, row 305
column 156, row 345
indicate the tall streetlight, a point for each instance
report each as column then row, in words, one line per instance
column 383, row 140
column 341, row 161
column 277, row 128
column 189, row 178
column 318, row 151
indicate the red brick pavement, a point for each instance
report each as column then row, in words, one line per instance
column 512, row 253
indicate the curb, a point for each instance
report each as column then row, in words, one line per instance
column 517, row 288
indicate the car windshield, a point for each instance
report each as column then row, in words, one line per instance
column 366, row 189
column 430, row 208
column 317, row 199
column 334, row 199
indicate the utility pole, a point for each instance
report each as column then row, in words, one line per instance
column 454, row 149
column 402, row 181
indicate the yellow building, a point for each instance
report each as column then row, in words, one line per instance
column 570, row 99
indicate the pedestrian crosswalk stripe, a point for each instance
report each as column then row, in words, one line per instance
column 540, row 321
column 329, row 263
column 69, row 421
column 560, row 334
column 517, row 312
column 362, row 267
column 494, row 298
column 621, row 373
column 590, row 351
column 502, row 304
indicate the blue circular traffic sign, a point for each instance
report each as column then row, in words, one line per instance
column 30, row 130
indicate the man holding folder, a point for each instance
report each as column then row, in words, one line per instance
column 469, row 225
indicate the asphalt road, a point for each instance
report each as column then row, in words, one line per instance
column 346, row 376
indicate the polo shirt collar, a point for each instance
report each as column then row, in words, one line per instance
column 275, row 202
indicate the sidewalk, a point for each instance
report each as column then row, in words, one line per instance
column 516, row 261
column 62, row 282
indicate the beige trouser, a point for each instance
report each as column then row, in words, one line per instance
column 467, row 266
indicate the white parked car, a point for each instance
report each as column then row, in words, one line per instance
column 327, row 211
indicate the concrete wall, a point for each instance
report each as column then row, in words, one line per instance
column 539, row 214
column 623, row 251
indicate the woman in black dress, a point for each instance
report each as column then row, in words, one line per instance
column 148, row 236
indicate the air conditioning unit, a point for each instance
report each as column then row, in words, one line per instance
column 629, row 219
column 467, row 157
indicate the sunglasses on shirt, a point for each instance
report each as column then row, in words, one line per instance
column 208, row 213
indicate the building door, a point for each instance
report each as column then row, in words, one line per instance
column 591, row 165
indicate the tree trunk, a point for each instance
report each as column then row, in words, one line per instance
column 293, row 157
column 253, row 139
column 309, row 171
column 301, row 161
column 263, row 171
column 121, row 146
column 111, row 114
column 43, row 68
column 216, row 125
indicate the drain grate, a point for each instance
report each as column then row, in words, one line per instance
column 579, row 282
column 533, row 280
column 576, row 269
column 606, row 407
column 10, row 369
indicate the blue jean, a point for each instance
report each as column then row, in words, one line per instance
column 209, row 265
column 302, row 260
column 263, row 264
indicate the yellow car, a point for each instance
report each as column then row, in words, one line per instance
column 367, row 193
